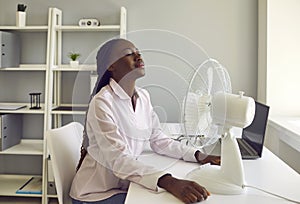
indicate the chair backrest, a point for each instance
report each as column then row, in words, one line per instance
column 64, row 147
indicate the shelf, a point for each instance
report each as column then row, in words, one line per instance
column 11, row 183
column 52, row 196
column 25, row 29
column 26, row 67
column 26, row 110
column 69, row 110
column 26, row 147
column 83, row 67
column 82, row 28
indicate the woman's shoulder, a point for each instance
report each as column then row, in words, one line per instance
column 105, row 94
column 103, row 100
column 142, row 92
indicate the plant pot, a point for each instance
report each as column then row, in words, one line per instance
column 21, row 19
column 74, row 64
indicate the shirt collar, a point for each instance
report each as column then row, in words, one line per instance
column 118, row 90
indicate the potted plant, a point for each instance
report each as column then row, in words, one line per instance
column 74, row 59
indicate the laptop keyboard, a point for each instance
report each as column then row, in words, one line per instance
column 245, row 149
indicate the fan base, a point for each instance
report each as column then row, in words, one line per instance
column 212, row 178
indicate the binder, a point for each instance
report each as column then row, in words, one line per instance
column 10, row 130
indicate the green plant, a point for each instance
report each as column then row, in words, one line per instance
column 73, row 56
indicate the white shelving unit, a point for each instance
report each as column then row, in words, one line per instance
column 71, row 28
column 41, row 28
column 26, row 67
column 57, row 68
column 66, row 68
column 32, row 147
column 53, row 70
column 25, row 110
column 9, row 182
column 26, row 147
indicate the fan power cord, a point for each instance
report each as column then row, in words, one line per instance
column 276, row 195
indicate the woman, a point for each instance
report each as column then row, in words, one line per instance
column 119, row 123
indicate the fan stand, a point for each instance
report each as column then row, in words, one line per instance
column 228, row 178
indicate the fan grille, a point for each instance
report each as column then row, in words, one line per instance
column 208, row 79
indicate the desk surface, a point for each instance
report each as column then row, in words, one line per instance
column 268, row 173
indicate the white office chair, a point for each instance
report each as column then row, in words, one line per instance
column 64, row 147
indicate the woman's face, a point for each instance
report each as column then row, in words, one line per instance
column 128, row 63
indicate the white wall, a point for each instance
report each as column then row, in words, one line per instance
column 226, row 29
column 279, row 62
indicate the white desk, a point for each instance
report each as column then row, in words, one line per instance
column 269, row 173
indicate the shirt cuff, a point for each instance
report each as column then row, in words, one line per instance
column 189, row 154
column 159, row 189
column 150, row 181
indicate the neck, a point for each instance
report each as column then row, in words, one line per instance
column 128, row 86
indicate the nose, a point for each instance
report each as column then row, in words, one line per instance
column 137, row 56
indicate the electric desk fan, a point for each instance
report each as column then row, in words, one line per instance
column 211, row 110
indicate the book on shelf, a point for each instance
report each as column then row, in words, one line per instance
column 11, row 107
column 32, row 186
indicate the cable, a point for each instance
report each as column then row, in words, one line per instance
column 279, row 196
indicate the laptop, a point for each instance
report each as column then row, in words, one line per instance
column 252, row 141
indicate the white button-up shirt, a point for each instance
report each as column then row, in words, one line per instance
column 117, row 135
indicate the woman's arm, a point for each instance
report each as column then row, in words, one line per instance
column 163, row 144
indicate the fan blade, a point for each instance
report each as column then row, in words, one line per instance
column 210, row 79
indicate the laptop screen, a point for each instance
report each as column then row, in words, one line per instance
column 254, row 134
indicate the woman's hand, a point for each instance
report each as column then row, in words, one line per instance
column 204, row 158
column 185, row 190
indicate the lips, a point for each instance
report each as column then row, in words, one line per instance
column 139, row 64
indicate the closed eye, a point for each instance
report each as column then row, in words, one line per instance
column 129, row 54
column 133, row 53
